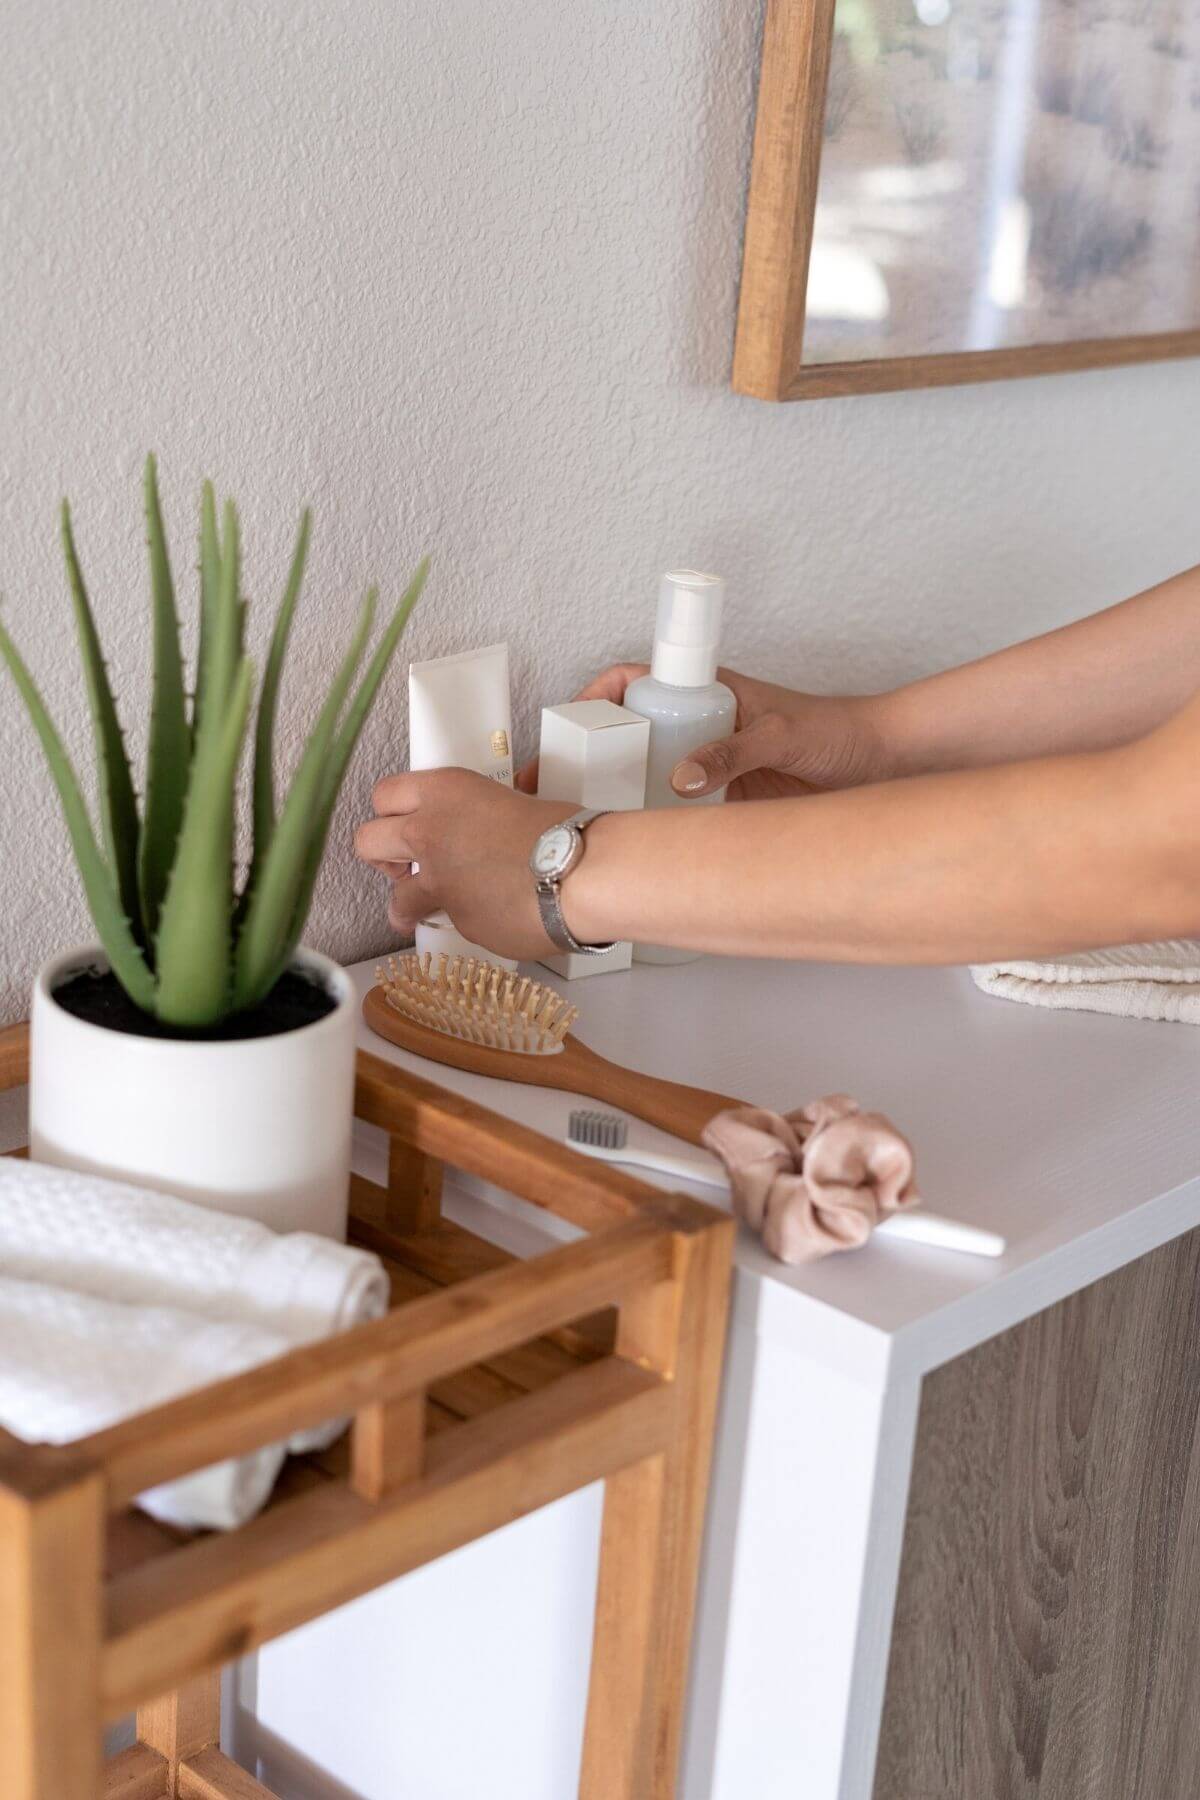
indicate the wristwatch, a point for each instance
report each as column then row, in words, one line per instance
column 554, row 855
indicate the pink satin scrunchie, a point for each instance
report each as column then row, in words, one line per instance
column 816, row 1180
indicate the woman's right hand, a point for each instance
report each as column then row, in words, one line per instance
column 783, row 744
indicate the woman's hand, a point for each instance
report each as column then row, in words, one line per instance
column 471, row 839
column 784, row 743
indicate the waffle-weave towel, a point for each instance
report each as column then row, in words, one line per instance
column 1132, row 981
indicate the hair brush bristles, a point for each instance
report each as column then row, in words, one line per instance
column 464, row 997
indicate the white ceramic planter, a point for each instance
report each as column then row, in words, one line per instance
column 259, row 1126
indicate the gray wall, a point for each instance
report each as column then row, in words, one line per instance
column 464, row 277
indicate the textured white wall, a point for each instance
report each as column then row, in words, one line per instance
column 464, row 276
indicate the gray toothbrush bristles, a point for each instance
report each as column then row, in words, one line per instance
column 607, row 1131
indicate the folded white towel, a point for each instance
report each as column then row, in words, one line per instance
column 71, row 1364
column 128, row 1243
column 1133, row 981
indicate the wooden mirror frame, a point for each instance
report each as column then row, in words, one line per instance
column 768, row 355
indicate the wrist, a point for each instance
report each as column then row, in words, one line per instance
column 582, row 894
column 880, row 729
column 897, row 723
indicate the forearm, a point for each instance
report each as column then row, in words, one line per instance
column 1026, row 859
column 1101, row 682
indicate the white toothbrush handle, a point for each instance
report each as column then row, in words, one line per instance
column 921, row 1227
column 633, row 1156
column 917, row 1227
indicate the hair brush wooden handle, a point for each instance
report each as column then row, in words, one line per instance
column 683, row 1111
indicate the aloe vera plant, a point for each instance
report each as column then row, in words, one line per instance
column 185, row 941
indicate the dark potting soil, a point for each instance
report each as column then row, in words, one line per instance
column 98, row 998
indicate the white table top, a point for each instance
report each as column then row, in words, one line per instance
column 1076, row 1136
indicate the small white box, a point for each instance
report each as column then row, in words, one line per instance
column 572, row 965
column 593, row 753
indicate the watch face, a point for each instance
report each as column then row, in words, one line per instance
column 552, row 852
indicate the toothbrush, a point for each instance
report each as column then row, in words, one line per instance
column 606, row 1136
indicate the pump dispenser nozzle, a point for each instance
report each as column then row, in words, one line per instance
column 684, row 702
column 688, row 628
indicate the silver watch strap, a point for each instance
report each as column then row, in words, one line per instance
column 550, row 900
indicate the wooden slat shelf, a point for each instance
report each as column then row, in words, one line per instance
column 493, row 1387
column 456, row 1254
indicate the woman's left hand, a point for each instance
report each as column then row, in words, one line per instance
column 471, row 840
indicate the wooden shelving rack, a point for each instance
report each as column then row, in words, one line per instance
column 493, row 1387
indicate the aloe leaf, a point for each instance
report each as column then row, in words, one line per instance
column 227, row 622
column 170, row 748
column 195, row 931
column 103, row 898
column 273, row 902
column 210, row 582
column 264, row 736
column 338, row 761
column 364, row 699
column 118, row 803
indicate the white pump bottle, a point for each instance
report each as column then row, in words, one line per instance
column 685, row 703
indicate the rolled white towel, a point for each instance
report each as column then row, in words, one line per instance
column 71, row 1364
column 127, row 1243
column 1132, row 981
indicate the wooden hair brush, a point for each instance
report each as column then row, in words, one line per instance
column 474, row 1015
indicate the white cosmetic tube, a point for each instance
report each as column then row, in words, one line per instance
column 460, row 716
